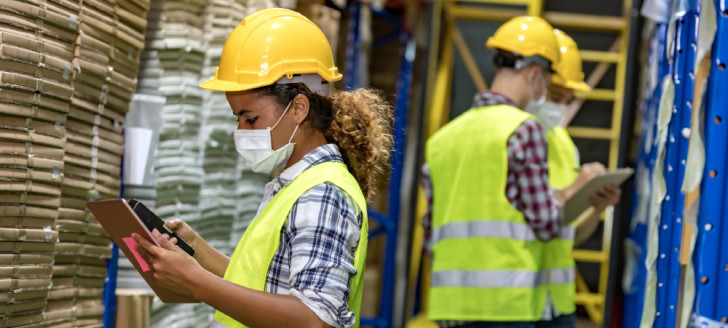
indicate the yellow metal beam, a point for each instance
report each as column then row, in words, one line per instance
column 439, row 110
column 587, row 255
column 596, row 94
column 589, row 133
column 470, row 63
column 535, row 7
column 593, row 309
column 588, row 298
column 483, row 14
column 599, row 56
column 585, row 22
column 433, row 51
column 499, row 2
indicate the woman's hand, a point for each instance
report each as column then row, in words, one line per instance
column 184, row 231
column 208, row 257
column 170, row 265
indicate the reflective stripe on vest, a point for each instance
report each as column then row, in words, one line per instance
column 563, row 166
column 485, row 259
column 252, row 257
column 501, row 278
column 492, row 229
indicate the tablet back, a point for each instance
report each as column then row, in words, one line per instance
column 119, row 221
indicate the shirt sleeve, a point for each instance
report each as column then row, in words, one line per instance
column 324, row 227
column 426, row 182
column 528, row 188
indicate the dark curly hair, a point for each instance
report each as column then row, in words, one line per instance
column 358, row 121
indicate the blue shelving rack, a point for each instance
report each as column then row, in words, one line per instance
column 671, row 223
column 710, row 257
column 711, row 252
column 634, row 300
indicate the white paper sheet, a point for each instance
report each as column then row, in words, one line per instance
column 136, row 154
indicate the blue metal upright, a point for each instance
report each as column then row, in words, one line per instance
column 389, row 222
column 710, row 257
column 671, row 223
column 353, row 47
column 112, row 268
column 110, row 288
column 711, row 251
column 634, row 298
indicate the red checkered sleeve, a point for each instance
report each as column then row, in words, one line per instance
column 527, row 187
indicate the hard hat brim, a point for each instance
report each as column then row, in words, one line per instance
column 227, row 86
column 578, row 86
column 215, row 84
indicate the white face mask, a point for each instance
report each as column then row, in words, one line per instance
column 256, row 149
column 550, row 114
column 533, row 104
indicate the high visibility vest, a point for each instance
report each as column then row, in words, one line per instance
column 563, row 166
column 252, row 257
column 486, row 258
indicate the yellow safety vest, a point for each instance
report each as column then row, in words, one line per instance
column 486, row 258
column 563, row 166
column 252, row 257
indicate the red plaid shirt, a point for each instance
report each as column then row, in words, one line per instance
column 527, row 187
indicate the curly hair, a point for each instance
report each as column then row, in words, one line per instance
column 358, row 121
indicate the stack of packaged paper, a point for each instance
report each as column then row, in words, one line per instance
column 171, row 67
column 36, row 54
column 107, row 53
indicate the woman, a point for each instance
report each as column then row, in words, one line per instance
column 301, row 261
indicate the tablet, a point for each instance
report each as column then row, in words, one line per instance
column 119, row 221
column 152, row 221
column 579, row 202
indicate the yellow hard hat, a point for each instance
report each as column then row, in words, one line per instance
column 271, row 44
column 526, row 36
column 568, row 69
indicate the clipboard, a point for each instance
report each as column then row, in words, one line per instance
column 579, row 202
column 119, row 221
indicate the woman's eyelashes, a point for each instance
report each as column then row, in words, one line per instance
column 251, row 120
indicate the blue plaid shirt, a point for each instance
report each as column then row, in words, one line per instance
column 315, row 259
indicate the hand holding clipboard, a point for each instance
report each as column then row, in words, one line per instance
column 575, row 206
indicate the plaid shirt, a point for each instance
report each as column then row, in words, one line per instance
column 315, row 259
column 527, row 187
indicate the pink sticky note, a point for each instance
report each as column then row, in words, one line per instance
column 132, row 244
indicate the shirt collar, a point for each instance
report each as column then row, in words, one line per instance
column 488, row 98
column 325, row 153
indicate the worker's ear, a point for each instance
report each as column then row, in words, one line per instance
column 300, row 106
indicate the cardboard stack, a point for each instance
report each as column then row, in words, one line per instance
column 171, row 67
column 221, row 163
column 107, row 49
column 36, row 79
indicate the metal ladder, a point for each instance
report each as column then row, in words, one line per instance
column 439, row 86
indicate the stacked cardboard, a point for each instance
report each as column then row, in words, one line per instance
column 67, row 71
column 107, row 48
column 199, row 174
column 171, row 67
column 36, row 79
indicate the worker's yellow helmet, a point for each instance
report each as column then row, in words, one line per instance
column 526, row 36
column 271, row 45
column 568, row 69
